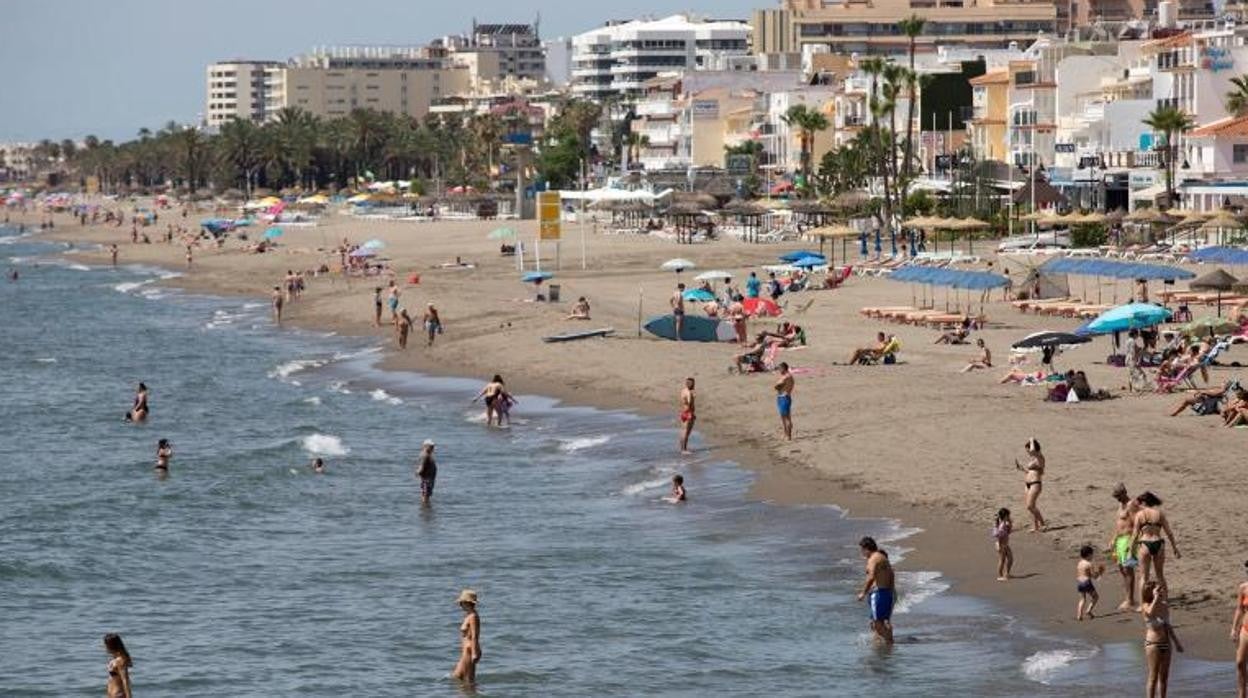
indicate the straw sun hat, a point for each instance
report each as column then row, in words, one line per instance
column 467, row 596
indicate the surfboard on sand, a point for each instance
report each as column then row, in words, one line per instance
column 573, row 336
column 694, row 329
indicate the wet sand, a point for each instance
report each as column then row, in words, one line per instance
column 918, row 441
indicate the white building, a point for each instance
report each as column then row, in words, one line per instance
column 616, row 59
column 237, row 89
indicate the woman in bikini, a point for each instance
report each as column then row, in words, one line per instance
column 1033, row 482
column 491, row 394
column 470, row 638
column 1158, row 637
column 1150, row 547
column 164, row 452
column 118, row 667
column 1239, row 635
column 138, row 413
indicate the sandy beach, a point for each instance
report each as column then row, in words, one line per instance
column 918, row 441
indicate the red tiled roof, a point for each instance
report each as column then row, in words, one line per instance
column 1230, row 126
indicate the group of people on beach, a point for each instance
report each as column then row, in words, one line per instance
column 388, row 298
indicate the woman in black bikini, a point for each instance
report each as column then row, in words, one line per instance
column 1033, row 481
column 1150, row 524
column 491, row 394
column 138, row 413
column 118, row 667
column 1158, row 637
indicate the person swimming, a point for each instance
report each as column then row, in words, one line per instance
column 318, row 465
column 678, row 490
column 119, row 665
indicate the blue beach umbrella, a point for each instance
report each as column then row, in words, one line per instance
column 792, row 257
column 809, row 262
column 364, row 253
column 699, row 295
column 374, row 245
column 273, row 233
column 536, row 277
column 1131, row 316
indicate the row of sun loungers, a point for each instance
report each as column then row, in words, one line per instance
column 1061, row 307
column 916, row 316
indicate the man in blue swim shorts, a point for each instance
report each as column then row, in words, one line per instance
column 784, row 400
column 879, row 589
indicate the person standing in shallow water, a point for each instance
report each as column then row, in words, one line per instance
column 279, row 300
column 427, row 471
column 688, row 414
column 879, row 589
column 119, row 665
column 492, row 393
column 469, row 638
column 138, row 412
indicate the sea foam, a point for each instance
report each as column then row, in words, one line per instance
column 382, row 396
column 1046, row 665
column 324, row 445
column 582, row 443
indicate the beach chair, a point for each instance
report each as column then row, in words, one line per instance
column 888, row 356
column 804, row 307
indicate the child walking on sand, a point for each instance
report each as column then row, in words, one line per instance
column 1085, row 572
column 1005, row 556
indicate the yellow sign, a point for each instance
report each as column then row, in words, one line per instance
column 93, row 185
column 548, row 215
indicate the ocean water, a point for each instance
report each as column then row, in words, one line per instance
column 244, row 574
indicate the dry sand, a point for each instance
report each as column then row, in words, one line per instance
column 918, row 441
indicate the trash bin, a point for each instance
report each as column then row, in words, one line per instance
column 552, row 293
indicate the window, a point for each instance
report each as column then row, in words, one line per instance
column 1239, row 153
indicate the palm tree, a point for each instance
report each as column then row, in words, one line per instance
column 241, row 146
column 1170, row 122
column 635, row 142
column 912, row 27
column 807, row 122
column 1237, row 99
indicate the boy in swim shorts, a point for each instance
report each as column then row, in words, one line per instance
column 1085, row 573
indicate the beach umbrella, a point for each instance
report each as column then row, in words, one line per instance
column 1217, row 280
column 363, row 252
column 272, row 233
column 501, row 234
column 1040, row 340
column 1209, row 325
column 536, row 277
column 1131, row 316
column 761, row 307
column 715, row 275
column 810, row 262
column 700, row 295
column 374, row 245
column 677, row 265
column 799, row 254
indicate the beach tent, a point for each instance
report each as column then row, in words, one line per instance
column 1033, row 278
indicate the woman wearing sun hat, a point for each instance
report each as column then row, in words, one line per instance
column 470, row 638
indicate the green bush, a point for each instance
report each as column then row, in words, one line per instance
column 1091, row 235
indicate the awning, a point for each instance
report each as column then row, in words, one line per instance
column 953, row 278
column 1117, row 270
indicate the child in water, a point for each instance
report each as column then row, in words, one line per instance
column 1085, row 572
column 678, row 490
column 1001, row 534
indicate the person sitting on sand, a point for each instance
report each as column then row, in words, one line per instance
column 752, row 358
column 786, row 335
column 983, row 361
column 874, row 353
column 954, row 336
column 580, row 311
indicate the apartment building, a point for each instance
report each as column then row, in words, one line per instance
column 870, row 26
column 617, row 59
column 331, row 82
column 237, row 89
column 511, row 50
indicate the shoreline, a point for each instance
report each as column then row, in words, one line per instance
column 947, row 543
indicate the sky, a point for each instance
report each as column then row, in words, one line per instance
column 109, row 67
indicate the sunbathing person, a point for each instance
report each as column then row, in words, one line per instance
column 786, row 335
column 1236, row 413
column 1207, row 402
column 874, row 353
column 1018, row 375
column 957, row 336
column 752, row 358
column 984, row 360
column 580, row 311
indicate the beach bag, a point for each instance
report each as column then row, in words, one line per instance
column 1072, row 396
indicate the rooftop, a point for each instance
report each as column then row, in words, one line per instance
column 1230, row 126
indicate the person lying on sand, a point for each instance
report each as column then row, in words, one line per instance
column 956, row 336
column 580, row 311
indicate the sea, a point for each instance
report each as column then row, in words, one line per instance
column 243, row 573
